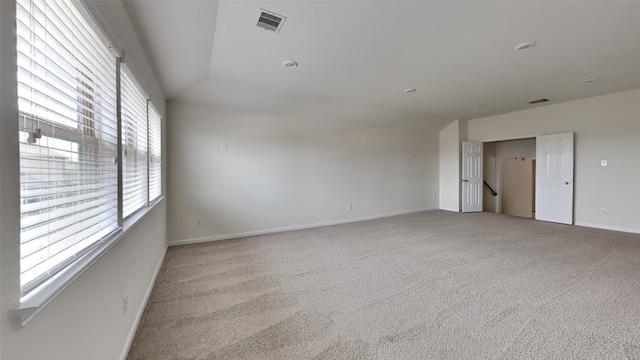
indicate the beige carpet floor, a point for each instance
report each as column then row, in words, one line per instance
column 432, row 285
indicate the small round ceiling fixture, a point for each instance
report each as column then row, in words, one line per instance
column 480, row 105
column 409, row 91
column 526, row 46
column 290, row 64
column 588, row 81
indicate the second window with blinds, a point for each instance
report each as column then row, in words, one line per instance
column 141, row 146
column 134, row 144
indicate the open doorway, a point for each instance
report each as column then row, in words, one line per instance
column 509, row 169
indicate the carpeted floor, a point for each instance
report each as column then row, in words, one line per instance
column 432, row 285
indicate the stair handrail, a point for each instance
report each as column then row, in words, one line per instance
column 493, row 192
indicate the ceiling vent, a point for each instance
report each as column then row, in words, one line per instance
column 270, row 21
column 538, row 101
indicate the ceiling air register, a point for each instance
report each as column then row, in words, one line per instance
column 270, row 21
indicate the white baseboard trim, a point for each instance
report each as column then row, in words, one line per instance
column 606, row 227
column 147, row 295
column 290, row 228
column 449, row 209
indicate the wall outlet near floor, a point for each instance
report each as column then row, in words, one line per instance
column 350, row 207
column 125, row 303
column 199, row 222
column 604, row 211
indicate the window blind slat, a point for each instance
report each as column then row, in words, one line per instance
column 52, row 234
column 64, row 189
column 55, row 49
column 64, row 205
column 48, row 267
column 79, row 36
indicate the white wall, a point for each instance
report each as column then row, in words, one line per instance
column 516, row 148
column 607, row 128
column 85, row 320
column 449, row 173
column 282, row 172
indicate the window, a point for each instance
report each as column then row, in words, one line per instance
column 155, row 153
column 68, row 123
column 134, row 144
column 69, row 135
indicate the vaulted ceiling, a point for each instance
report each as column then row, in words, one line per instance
column 357, row 57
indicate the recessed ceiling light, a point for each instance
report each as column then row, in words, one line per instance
column 409, row 91
column 587, row 81
column 290, row 64
column 480, row 105
column 526, row 46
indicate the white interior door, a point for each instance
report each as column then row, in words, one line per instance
column 554, row 178
column 471, row 176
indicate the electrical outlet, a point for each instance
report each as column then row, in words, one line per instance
column 199, row 222
column 225, row 148
column 350, row 207
column 604, row 211
column 125, row 303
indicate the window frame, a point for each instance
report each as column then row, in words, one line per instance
column 66, row 86
column 31, row 303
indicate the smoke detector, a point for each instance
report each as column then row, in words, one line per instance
column 270, row 21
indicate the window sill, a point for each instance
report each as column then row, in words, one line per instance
column 32, row 303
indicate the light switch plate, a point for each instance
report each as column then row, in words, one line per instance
column 603, row 162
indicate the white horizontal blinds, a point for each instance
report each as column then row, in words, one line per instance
column 68, row 137
column 134, row 143
column 155, row 153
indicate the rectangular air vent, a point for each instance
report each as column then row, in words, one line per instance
column 270, row 21
column 538, row 101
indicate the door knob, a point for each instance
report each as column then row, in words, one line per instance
column 566, row 183
column 465, row 180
